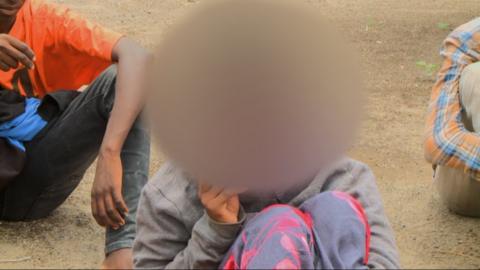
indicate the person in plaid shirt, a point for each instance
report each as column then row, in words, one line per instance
column 452, row 142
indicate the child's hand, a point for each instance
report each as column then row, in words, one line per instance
column 221, row 205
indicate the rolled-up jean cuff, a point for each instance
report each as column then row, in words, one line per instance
column 109, row 248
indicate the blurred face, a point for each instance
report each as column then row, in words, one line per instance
column 244, row 98
column 9, row 8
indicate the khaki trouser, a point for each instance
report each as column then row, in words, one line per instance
column 460, row 192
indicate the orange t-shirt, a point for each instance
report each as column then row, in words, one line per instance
column 70, row 51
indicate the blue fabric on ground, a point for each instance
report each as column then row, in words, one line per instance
column 25, row 126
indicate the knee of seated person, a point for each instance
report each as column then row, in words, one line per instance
column 110, row 72
column 469, row 93
column 325, row 198
column 470, row 83
column 105, row 83
column 283, row 212
column 107, row 79
column 332, row 205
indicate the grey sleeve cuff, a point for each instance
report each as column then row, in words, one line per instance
column 215, row 231
column 215, row 235
column 227, row 230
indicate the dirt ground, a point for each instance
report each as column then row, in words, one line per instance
column 391, row 36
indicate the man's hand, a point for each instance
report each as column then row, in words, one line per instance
column 14, row 53
column 108, row 206
column 221, row 205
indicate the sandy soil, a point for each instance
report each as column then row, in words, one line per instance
column 391, row 36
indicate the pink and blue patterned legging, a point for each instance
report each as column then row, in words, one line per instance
column 328, row 231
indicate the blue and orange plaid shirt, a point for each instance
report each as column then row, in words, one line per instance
column 448, row 142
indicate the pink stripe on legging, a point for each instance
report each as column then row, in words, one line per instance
column 357, row 207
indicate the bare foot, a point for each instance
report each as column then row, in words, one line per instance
column 119, row 259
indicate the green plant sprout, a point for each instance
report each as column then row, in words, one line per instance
column 443, row 25
column 370, row 23
column 428, row 68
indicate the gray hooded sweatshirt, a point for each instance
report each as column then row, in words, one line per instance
column 174, row 232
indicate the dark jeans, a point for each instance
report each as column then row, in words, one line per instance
column 59, row 156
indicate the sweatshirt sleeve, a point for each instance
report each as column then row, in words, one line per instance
column 163, row 242
column 361, row 185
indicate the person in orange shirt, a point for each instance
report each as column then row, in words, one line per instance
column 47, row 53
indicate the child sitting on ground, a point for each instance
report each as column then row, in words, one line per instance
column 256, row 103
